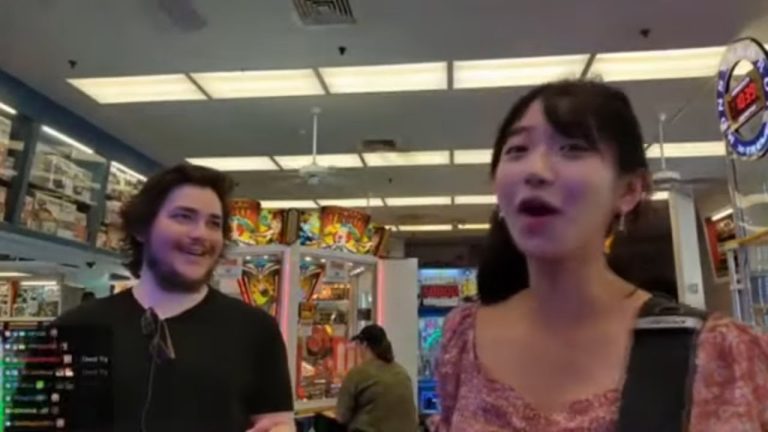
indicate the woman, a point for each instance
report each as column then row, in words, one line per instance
column 547, row 347
column 377, row 395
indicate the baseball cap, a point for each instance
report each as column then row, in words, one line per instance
column 372, row 335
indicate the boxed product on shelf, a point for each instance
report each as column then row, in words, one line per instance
column 121, row 186
column 5, row 298
column 5, row 139
column 56, row 172
column 26, row 212
column 112, row 213
column 3, row 195
column 58, row 217
column 37, row 301
column 110, row 238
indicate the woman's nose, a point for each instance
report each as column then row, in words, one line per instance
column 539, row 170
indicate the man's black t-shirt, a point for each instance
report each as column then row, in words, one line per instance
column 230, row 364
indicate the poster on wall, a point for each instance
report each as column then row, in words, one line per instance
column 718, row 232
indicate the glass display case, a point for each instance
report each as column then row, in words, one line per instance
column 64, row 182
column 122, row 184
column 10, row 150
column 337, row 300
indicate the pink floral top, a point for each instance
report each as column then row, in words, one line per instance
column 730, row 389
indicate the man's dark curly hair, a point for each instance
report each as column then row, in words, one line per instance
column 139, row 213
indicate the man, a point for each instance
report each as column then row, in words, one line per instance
column 187, row 357
column 377, row 395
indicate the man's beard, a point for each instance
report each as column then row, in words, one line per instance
column 169, row 279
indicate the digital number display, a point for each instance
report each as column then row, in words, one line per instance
column 440, row 291
column 743, row 100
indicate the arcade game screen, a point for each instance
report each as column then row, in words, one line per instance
column 440, row 289
column 54, row 379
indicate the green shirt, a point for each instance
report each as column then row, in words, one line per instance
column 377, row 397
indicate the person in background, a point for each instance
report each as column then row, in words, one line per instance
column 547, row 347
column 87, row 296
column 187, row 357
column 378, row 394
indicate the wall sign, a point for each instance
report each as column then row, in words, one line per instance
column 745, row 99
column 440, row 295
column 336, row 272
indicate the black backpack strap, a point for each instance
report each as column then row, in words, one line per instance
column 659, row 382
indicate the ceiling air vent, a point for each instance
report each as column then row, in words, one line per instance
column 379, row 145
column 324, row 12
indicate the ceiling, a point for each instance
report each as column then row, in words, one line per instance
column 39, row 37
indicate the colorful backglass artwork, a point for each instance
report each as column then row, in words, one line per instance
column 430, row 335
column 260, row 283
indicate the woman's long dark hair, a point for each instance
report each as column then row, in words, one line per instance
column 383, row 351
column 591, row 111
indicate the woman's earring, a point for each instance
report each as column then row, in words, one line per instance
column 622, row 227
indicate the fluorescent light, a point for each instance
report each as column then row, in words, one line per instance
column 472, row 157
column 444, row 227
column 284, row 204
column 8, row 109
column 726, row 211
column 254, row 84
column 125, row 169
column 649, row 65
column 478, row 227
column 515, row 72
column 140, row 88
column 74, row 143
column 39, row 282
column 474, row 199
column 386, row 78
column 341, row 160
column 418, row 201
column 742, row 68
column 380, row 159
column 245, row 163
column 660, row 196
column 688, row 149
column 13, row 274
column 352, row 202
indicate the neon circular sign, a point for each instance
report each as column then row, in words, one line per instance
column 739, row 103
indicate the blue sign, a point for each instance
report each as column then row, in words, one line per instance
column 741, row 102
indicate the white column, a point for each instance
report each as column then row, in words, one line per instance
column 397, row 304
column 682, row 213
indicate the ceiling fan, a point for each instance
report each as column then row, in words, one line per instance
column 316, row 175
column 667, row 179
column 313, row 173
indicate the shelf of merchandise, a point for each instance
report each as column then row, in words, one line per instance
column 31, row 276
column 745, row 306
column 39, row 168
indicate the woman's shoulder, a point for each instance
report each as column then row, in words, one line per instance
column 459, row 322
column 731, row 384
column 723, row 338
